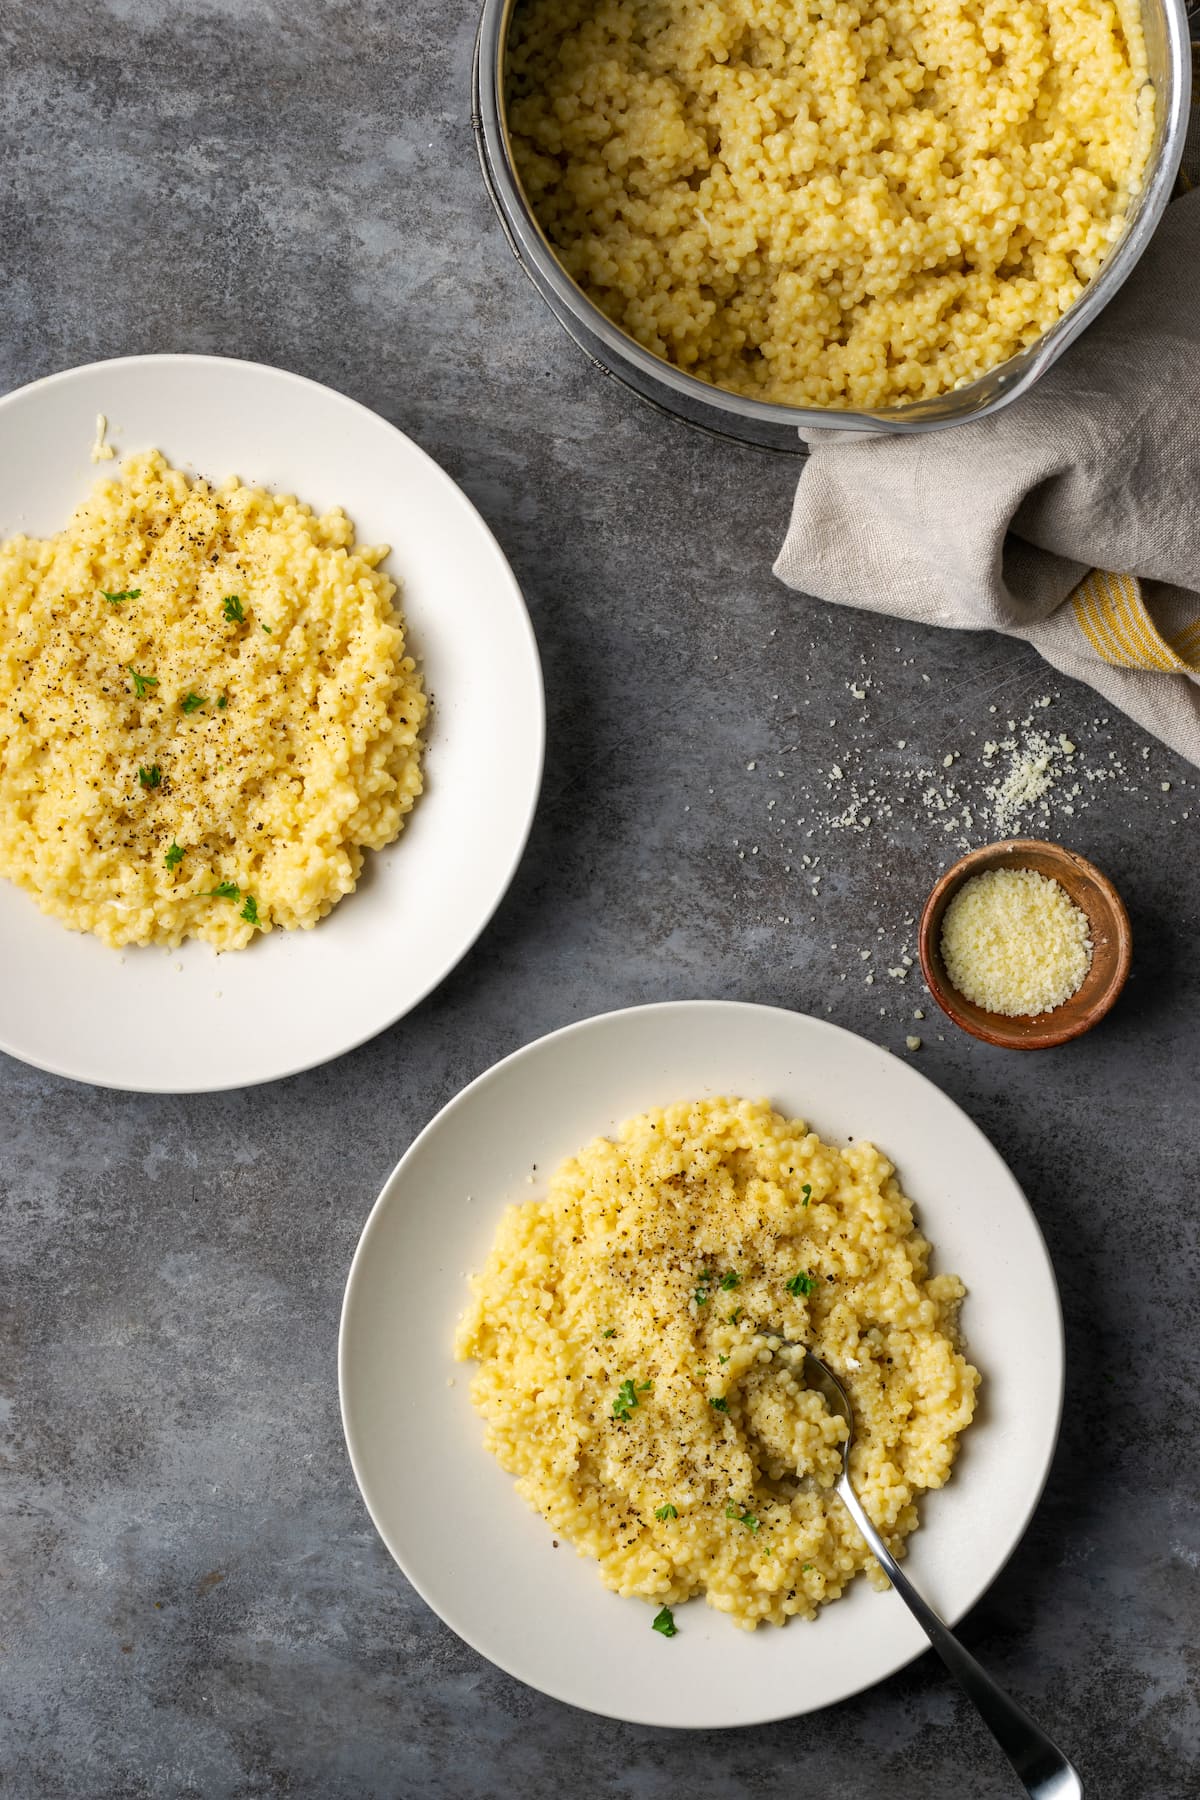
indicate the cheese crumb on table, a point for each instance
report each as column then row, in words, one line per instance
column 1014, row 942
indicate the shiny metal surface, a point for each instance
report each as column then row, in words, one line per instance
column 776, row 427
column 1040, row 1766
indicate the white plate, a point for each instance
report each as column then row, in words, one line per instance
column 450, row 1515
column 186, row 1021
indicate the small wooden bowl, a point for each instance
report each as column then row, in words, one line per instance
column 1112, row 946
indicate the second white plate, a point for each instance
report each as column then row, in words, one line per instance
column 450, row 1515
column 187, row 1020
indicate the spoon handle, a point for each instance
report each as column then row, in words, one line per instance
column 1043, row 1769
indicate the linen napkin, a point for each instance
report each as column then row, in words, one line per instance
column 1070, row 519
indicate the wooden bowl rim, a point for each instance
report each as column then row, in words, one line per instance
column 1008, row 853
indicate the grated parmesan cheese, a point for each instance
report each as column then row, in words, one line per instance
column 1014, row 942
column 102, row 450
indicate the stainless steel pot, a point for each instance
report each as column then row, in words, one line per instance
column 776, row 427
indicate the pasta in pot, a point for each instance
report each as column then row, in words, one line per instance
column 832, row 203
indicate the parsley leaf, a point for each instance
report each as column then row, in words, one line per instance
column 267, row 629
column 625, row 1401
column 610, row 1331
column 222, row 703
column 722, row 1359
column 805, row 1567
column 193, row 702
column 665, row 1622
column 717, row 1403
column 151, row 777
column 807, row 1192
column 173, row 857
column 232, row 607
column 249, row 912
column 125, row 594
column 730, row 1280
column 743, row 1518
column 224, row 890
column 802, row 1284
column 142, row 683
column 735, row 1315
column 701, row 1296
column 666, row 1512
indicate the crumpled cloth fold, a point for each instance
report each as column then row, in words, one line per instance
column 1071, row 518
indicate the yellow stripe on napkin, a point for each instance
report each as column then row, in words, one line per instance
column 1111, row 612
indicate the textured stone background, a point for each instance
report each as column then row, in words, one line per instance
column 193, row 1600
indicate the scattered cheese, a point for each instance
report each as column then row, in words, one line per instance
column 1014, row 942
column 1031, row 774
column 102, row 450
column 912, row 1043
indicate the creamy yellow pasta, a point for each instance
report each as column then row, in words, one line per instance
column 623, row 1325
column 206, row 711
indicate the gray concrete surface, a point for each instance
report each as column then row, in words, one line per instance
column 193, row 1600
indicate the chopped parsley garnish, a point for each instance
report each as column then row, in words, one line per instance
column 730, row 1280
column 802, row 1284
column 665, row 1622
column 609, row 1331
column 743, row 1518
column 807, row 1192
column 666, row 1512
column 232, row 607
column 717, row 1403
column 142, row 683
column 722, row 1359
column 267, row 629
column 249, row 912
column 705, row 1275
column 701, row 1296
column 222, row 703
column 735, row 1315
column 151, row 777
column 173, row 857
column 224, row 890
column 627, row 1398
column 193, row 702
column 125, row 594
column 805, row 1568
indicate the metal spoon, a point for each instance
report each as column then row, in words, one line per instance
column 1041, row 1766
